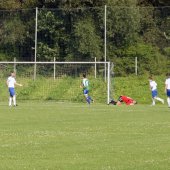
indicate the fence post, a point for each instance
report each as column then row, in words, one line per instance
column 15, row 65
column 105, row 40
column 35, row 52
column 54, row 68
column 95, row 69
column 136, row 66
column 108, row 83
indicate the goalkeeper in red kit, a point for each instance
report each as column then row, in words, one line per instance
column 124, row 99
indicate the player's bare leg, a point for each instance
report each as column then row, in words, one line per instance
column 153, row 102
column 10, row 101
column 159, row 99
column 168, row 101
column 14, row 100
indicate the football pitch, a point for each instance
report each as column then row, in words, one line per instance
column 71, row 136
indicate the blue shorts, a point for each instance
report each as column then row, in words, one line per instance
column 11, row 91
column 85, row 91
column 168, row 92
column 154, row 93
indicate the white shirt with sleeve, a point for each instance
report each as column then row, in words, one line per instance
column 11, row 82
column 153, row 85
column 167, row 82
column 85, row 82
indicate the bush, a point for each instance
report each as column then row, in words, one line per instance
column 150, row 61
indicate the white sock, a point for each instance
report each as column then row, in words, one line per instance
column 153, row 101
column 159, row 99
column 10, row 101
column 168, row 101
column 14, row 100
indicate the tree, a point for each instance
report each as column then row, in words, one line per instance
column 50, row 29
column 10, row 4
column 123, row 23
column 87, row 42
column 12, row 35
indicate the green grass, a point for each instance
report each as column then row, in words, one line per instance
column 137, row 87
column 66, row 136
column 68, row 89
column 63, row 89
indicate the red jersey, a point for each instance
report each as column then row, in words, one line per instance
column 126, row 100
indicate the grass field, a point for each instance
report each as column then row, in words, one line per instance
column 66, row 136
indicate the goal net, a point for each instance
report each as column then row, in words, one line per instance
column 59, row 81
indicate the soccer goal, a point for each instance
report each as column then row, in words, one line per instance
column 59, row 81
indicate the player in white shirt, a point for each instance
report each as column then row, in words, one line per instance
column 11, row 82
column 86, row 87
column 153, row 87
column 167, row 89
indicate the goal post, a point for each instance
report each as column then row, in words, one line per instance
column 59, row 80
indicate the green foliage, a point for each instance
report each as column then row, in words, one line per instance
column 87, row 41
column 4, row 57
column 47, row 53
column 137, row 87
column 123, row 23
column 49, row 30
column 12, row 32
column 68, row 89
column 150, row 60
column 74, row 30
column 27, row 92
column 63, row 89
column 167, row 51
column 10, row 4
column 164, row 2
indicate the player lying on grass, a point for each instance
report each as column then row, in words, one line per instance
column 11, row 82
column 153, row 88
column 124, row 99
column 86, row 88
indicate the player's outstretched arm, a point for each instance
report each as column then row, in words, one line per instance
column 18, row 84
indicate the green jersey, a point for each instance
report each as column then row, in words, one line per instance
column 85, row 84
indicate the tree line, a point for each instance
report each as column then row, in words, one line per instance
column 73, row 30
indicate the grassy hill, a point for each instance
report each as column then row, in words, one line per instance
column 137, row 87
column 68, row 89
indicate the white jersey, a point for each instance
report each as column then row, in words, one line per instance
column 167, row 82
column 85, row 83
column 153, row 85
column 11, row 82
